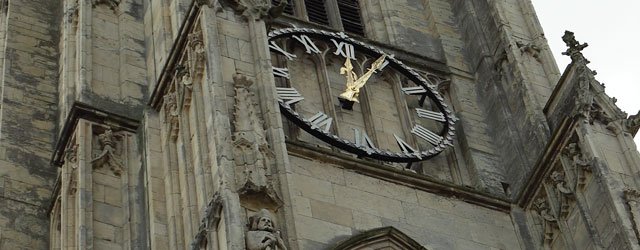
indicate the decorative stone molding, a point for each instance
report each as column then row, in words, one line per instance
column 112, row 4
column 582, row 165
column 251, row 152
column 258, row 9
column 564, row 193
column 171, row 113
column 108, row 157
column 550, row 223
column 262, row 234
column 196, row 54
column 380, row 238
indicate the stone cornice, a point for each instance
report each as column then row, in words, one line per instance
column 83, row 111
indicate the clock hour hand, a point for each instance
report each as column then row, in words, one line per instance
column 353, row 87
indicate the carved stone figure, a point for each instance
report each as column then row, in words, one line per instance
column 262, row 235
column 107, row 157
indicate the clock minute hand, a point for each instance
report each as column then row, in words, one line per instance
column 359, row 83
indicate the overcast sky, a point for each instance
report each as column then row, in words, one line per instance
column 612, row 30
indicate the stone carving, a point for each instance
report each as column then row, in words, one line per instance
column 632, row 123
column 579, row 162
column 564, row 193
column 531, row 49
column 584, row 98
column 71, row 154
column 171, row 113
column 112, row 4
column 262, row 234
column 550, row 224
column 73, row 181
column 251, row 152
column 196, row 54
column 633, row 200
column 212, row 215
column 107, row 157
column 596, row 113
column 258, row 9
column 575, row 48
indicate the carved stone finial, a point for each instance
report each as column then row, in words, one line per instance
column 262, row 234
column 575, row 48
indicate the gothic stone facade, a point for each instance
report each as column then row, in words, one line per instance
column 130, row 124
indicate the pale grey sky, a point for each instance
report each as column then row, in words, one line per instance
column 612, row 30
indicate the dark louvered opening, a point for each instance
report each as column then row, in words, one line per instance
column 287, row 9
column 350, row 15
column 316, row 11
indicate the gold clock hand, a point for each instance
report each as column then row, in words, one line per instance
column 352, row 91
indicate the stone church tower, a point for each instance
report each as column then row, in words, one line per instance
column 305, row 124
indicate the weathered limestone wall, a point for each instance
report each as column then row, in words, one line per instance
column 514, row 73
column 103, row 57
column 331, row 204
column 27, row 120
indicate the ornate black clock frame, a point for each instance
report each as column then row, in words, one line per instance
column 423, row 90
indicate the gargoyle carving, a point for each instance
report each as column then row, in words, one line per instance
column 529, row 48
column 108, row 157
column 632, row 123
column 262, row 234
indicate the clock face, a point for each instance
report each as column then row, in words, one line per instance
column 357, row 98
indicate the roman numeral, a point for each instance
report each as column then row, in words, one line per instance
column 386, row 62
column 426, row 134
column 275, row 47
column 281, row 72
column 363, row 140
column 419, row 90
column 404, row 146
column 321, row 120
column 308, row 44
column 288, row 95
column 437, row 116
column 344, row 49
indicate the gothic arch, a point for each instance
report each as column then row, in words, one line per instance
column 380, row 238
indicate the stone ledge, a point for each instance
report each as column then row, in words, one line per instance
column 397, row 176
